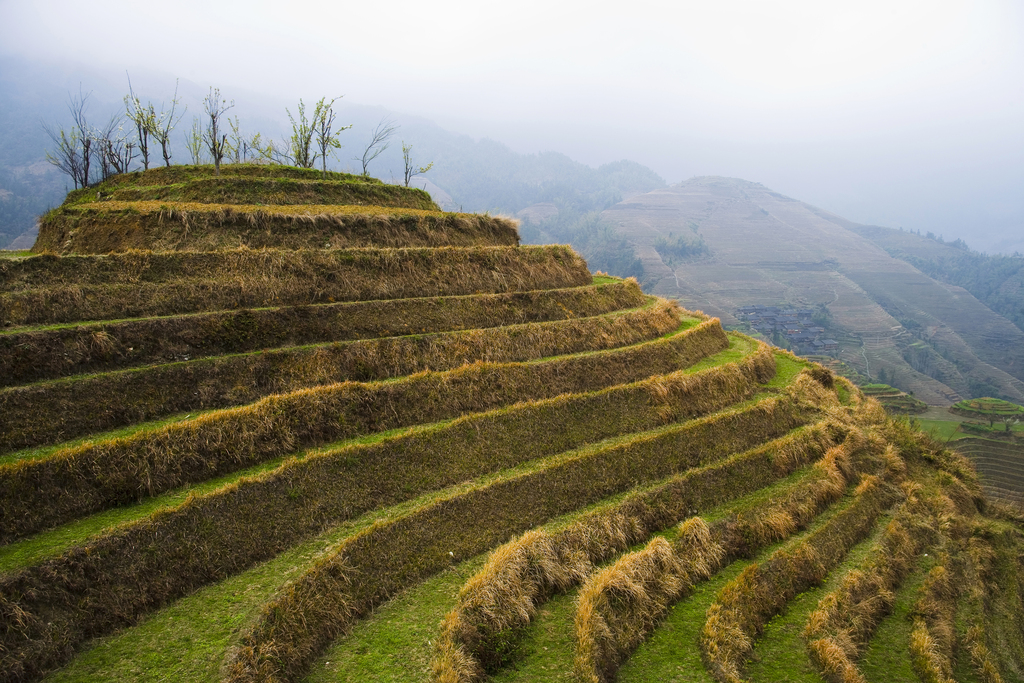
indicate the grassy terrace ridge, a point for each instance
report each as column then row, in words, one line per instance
column 283, row 191
column 440, row 451
column 122, row 397
column 409, row 622
column 115, row 226
column 51, row 411
column 222, row 441
column 185, row 640
column 55, row 289
column 735, row 349
column 28, row 355
column 287, row 637
column 46, row 270
column 255, row 176
column 180, row 173
column 987, row 409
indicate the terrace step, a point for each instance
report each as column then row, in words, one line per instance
column 83, row 479
column 59, row 351
column 60, row 289
column 107, row 599
column 66, row 408
column 117, row 226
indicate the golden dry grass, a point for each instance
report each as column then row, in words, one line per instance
column 322, row 603
column 116, row 226
column 49, row 353
column 470, row 635
column 745, row 605
column 49, row 411
column 54, row 289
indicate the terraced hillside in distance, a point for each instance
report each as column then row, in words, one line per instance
column 990, row 432
column 268, row 427
column 894, row 323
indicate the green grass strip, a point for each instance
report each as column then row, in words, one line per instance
column 28, row 355
column 780, row 654
column 53, row 289
column 546, row 649
column 171, row 555
column 672, row 653
column 887, row 657
column 413, row 546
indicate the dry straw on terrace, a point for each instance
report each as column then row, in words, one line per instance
column 69, row 350
column 472, row 633
column 115, row 226
column 396, row 553
column 52, row 289
column 608, row 628
column 844, row 621
column 223, row 441
column 65, row 409
column 137, row 569
column 746, row 604
column 620, row 605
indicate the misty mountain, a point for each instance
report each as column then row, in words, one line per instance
column 755, row 246
column 467, row 174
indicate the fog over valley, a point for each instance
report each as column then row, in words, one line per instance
column 905, row 115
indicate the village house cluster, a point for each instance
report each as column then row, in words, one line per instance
column 795, row 325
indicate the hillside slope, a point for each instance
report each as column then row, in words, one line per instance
column 934, row 340
column 432, row 454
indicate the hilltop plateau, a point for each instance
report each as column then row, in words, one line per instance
column 268, row 426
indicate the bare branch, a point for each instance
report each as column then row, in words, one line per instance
column 378, row 143
column 323, row 122
column 144, row 119
column 194, row 141
column 164, row 123
column 216, row 142
column 410, row 169
column 73, row 148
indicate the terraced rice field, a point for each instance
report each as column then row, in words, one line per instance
column 447, row 459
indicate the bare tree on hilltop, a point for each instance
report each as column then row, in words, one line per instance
column 378, row 143
column 144, row 119
column 323, row 122
column 410, row 168
column 113, row 149
column 216, row 141
column 163, row 123
column 72, row 148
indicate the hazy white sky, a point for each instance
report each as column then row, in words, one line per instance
column 876, row 110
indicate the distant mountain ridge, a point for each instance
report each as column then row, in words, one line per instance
column 934, row 339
